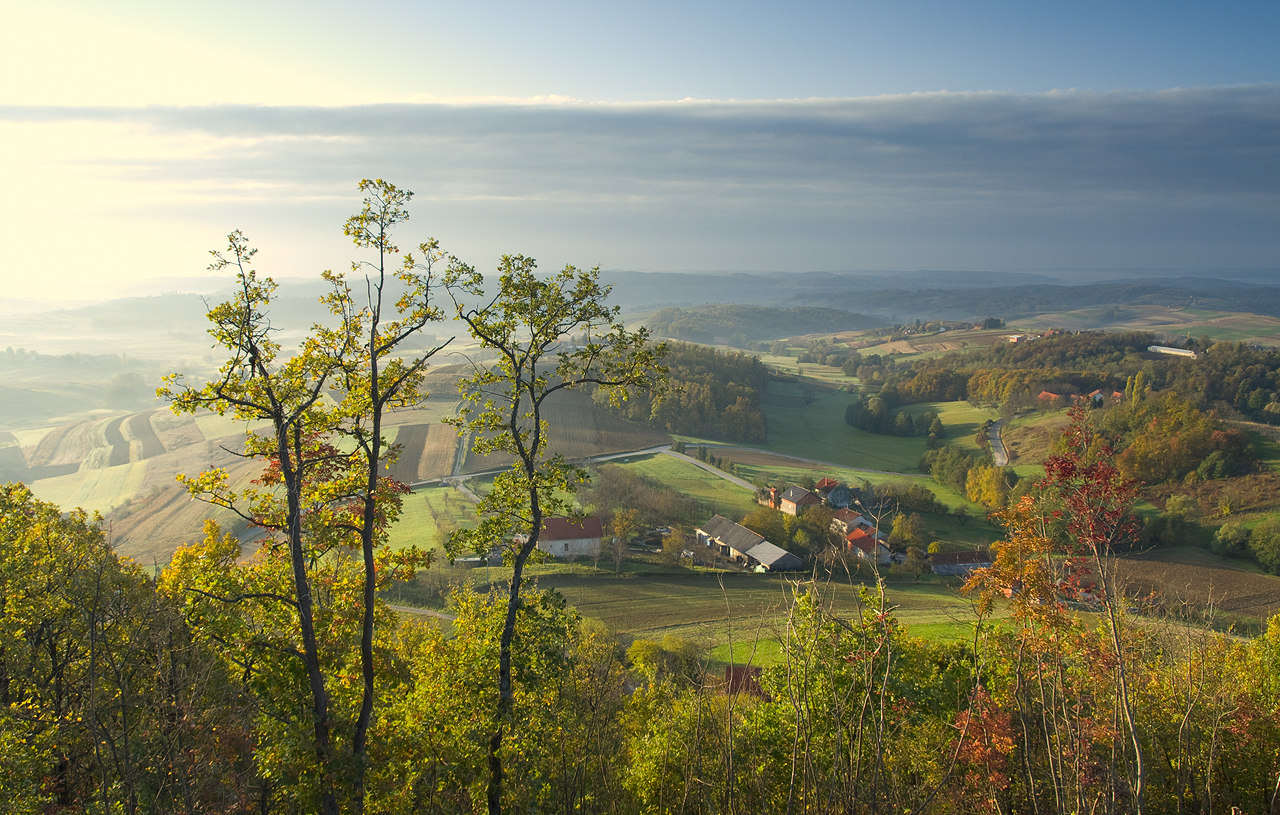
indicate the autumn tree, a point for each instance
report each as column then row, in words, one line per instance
column 526, row 322
column 320, row 497
column 622, row 527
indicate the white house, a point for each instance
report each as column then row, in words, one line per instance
column 566, row 539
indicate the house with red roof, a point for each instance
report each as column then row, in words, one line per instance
column 867, row 545
column 567, row 539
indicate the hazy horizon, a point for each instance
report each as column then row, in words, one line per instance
column 698, row 137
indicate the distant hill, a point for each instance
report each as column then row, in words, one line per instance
column 1012, row 302
column 749, row 322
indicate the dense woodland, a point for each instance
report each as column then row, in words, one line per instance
column 713, row 394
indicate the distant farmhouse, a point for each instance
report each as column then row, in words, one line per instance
column 770, row 558
column 869, row 545
column 959, row 563
column 746, row 547
column 797, row 498
column 846, row 520
column 563, row 538
column 1164, row 349
column 732, row 540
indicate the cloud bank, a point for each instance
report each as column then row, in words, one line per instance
column 1184, row 177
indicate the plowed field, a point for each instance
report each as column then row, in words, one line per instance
column 1191, row 577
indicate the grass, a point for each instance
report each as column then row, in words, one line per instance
column 960, row 419
column 818, row 431
column 428, row 514
column 1268, row 451
column 96, row 490
column 721, row 496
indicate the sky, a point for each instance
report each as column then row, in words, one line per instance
column 657, row 136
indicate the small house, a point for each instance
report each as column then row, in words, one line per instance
column 565, row 538
column 845, row 521
column 795, row 499
column 868, row 546
column 825, row 486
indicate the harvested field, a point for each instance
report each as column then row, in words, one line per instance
column 428, row 452
column 411, row 438
column 64, row 444
column 1195, row 579
column 175, row 432
column 137, row 428
column 438, row 452
column 1029, row 441
column 116, row 441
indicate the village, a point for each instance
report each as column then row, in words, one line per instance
column 726, row 544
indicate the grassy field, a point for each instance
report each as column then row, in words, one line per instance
column 97, row 490
column 428, row 515
column 960, row 419
column 818, row 431
column 721, row 496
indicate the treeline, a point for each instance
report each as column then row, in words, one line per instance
column 713, row 394
column 1226, row 376
column 126, row 692
column 748, row 322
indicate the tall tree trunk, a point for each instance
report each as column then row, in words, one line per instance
column 322, row 744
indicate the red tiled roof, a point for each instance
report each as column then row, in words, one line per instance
column 845, row 516
column 562, row 529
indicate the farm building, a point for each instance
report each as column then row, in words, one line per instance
column 771, row 558
column 796, row 499
column 845, row 521
column 564, row 538
column 1164, row 349
column 959, row 563
column 733, row 540
column 868, row 544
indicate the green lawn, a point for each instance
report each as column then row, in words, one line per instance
column 1268, row 450
column 960, row 419
column 818, row 431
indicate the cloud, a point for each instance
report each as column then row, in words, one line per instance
column 996, row 180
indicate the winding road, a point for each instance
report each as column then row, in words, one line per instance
column 998, row 452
